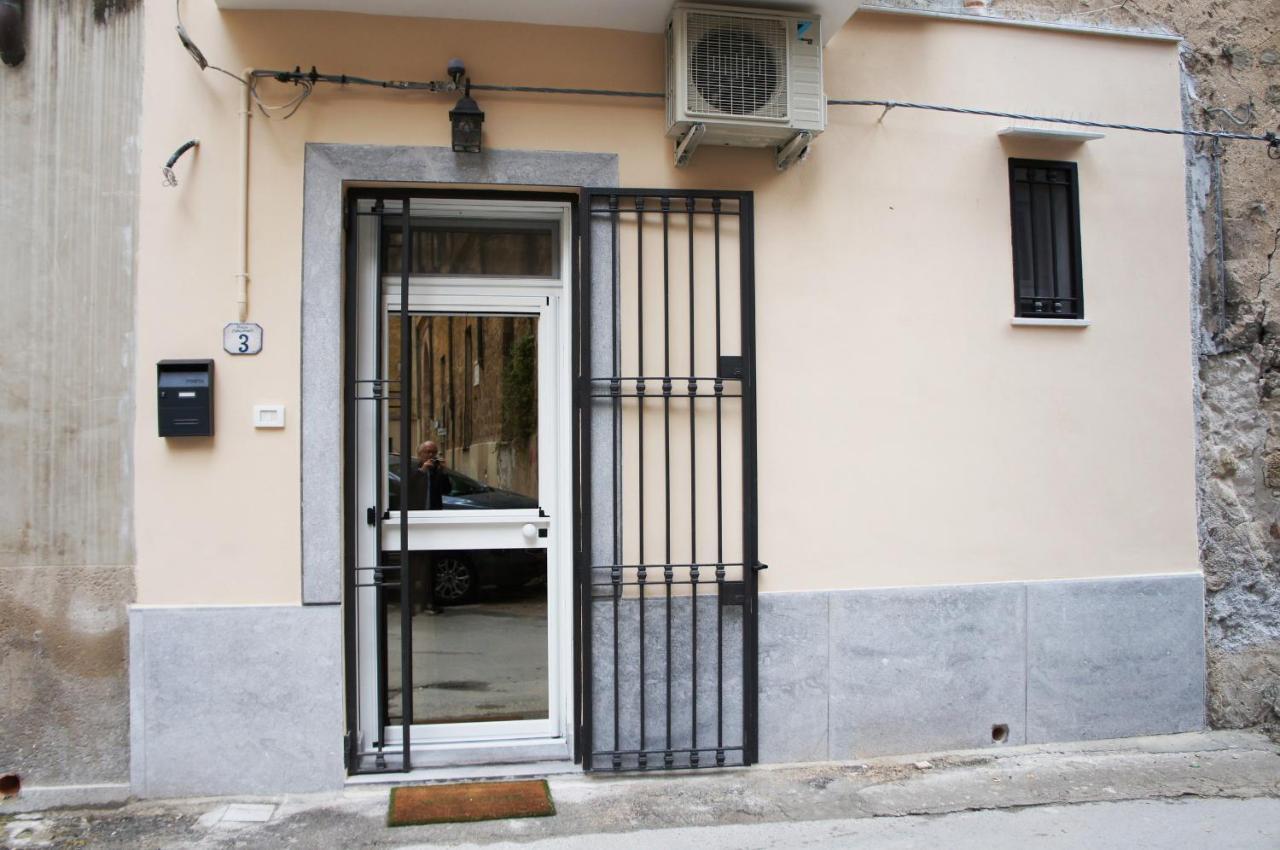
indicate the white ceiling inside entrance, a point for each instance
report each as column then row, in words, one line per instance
column 637, row 15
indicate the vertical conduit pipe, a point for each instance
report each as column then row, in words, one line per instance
column 242, row 210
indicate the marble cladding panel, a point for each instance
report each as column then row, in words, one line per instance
column 854, row 674
column 1112, row 658
column 922, row 669
column 238, row 699
column 794, row 674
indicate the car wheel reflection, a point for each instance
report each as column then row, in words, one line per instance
column 455, row 580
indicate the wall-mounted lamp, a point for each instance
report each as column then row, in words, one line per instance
column 13, row 32
column 466, row 115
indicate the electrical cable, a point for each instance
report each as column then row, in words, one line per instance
column 308, row 80
column 552, row 90
column 195, row 51
column 171, row 179
column 1271, row 139
column 289, row 107
column 298, row 76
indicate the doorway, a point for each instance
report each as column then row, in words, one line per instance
column 460, row 479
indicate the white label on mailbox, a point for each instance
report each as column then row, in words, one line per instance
column 241, row 338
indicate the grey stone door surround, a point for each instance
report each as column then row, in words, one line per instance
column 328, row 169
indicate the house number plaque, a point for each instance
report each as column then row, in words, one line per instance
column 242, row 338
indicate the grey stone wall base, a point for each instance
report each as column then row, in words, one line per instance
column 1112, row 659
column 922, row 669
column 328, row 169
column 235, row 699
column 41, row 797
column 853, row 674
column 718, row 677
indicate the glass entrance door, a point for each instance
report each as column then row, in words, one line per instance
column 463, row 581
column 477, row 589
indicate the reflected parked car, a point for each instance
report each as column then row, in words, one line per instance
column 466, row 575
column 468, row 493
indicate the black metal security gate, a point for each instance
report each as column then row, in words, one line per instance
column 665, row 466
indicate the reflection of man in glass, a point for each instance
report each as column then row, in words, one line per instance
column 428, row 485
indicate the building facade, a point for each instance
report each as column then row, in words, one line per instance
column 976, row 496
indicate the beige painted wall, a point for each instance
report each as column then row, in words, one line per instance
column 908, row 434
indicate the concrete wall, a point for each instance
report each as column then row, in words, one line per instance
column 68, row 194
column 909, row 364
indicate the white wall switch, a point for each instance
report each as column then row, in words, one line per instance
column 268, row 416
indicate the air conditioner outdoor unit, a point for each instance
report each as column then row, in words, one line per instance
column 746, row 77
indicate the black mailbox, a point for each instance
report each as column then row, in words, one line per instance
column 186, row 397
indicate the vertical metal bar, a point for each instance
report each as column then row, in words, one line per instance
column 615, row 303
column 667, row 758
column 1077, row 285
column 406, row 570
column 616, row 570
column 719, row 392
column 582, row 389
column 693, row 500
column 750, row 669
column 350, row 494
column 1035, row 262
column 642, row 573
column 379, row 389
column 1053, row 242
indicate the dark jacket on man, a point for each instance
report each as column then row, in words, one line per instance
column 427, row 488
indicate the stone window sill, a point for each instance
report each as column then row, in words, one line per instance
column 1049, row 323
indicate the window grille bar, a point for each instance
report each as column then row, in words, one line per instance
column 695, row 378
column 617, row 476
column 642, row 572
column 673, row 566
column 383, row 388
column 666, row 439
column 719, row 389
column 693, row 496
column 673, row 751
column 668, row 393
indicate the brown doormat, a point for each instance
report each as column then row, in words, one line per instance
column 469, row 801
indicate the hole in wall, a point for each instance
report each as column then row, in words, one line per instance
column 10, row 785
column 1000, row 733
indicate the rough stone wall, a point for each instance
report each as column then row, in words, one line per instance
column 1231, row 62
column 68, row 207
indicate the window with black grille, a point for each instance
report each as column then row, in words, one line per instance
column 1045, row 200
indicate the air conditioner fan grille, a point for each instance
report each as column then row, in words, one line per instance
column 737, row 66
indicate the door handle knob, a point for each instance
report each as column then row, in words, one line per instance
column 530, row 531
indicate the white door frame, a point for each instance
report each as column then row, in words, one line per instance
column 549, row 300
